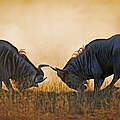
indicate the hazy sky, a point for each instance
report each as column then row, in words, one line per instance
column 50, row 30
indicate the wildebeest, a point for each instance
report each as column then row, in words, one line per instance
column 99, row 59
column 16, row 66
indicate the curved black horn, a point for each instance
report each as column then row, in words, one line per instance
column 43, row 65
column 55, row 68
column 37, row 80
column 42, row 80
column 46, row 65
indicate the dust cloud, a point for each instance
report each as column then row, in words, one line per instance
column 51, row 30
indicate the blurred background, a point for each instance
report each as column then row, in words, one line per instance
column 51, row 30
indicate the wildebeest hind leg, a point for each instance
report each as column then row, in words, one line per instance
column 0, row 84
column 97, row 84
column 9, row 86
column 111, row 86
column 116, row 70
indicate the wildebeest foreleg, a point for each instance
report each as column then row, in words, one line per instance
column 111, row 85
column 116, row 68
column 0, row 84
column 97, row 84
column 9, row 86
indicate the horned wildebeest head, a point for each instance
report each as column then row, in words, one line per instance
column 31, row 77
column 69, row 77
column 31, row 80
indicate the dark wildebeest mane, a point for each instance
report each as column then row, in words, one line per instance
column 22, row 53
column 75, row 54
column 81, row 50
column 78, row 52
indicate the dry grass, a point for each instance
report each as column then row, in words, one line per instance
column 36, row 105
column 54, row 100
